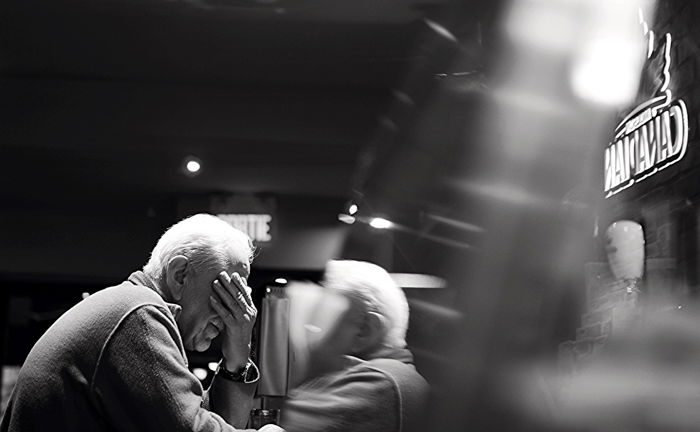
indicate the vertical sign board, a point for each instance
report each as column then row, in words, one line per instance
column 654, row 135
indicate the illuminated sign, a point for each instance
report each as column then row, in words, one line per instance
column 257, row 226
column 654, row 135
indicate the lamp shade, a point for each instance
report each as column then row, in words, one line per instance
column 625, row 249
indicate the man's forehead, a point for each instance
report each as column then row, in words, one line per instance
column 240, row 265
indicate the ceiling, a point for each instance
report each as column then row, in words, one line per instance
column 106, row 98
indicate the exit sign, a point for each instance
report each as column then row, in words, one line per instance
column 257, row 226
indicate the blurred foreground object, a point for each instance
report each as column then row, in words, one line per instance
column 356, row 372
column 646, row 379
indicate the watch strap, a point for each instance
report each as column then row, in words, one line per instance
column 247, row 373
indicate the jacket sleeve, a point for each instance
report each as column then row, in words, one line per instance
column 356, row 401
column 141, row 380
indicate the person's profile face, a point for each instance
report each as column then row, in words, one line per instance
column 340, row 321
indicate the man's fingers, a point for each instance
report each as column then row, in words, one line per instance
column 234, row 294
column 225, row 296
column 230, row 292
column 224, row 313
column 243, row 289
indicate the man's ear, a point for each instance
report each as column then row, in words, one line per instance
column 175, row 274
column 371, row 333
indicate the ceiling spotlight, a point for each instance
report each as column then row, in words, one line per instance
column 346, row 218
column 352, row 209
column 212, row 366
column 380, row 223
column 192, row 166
column 281, row 281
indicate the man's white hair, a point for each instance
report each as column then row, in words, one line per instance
column 375, row 290
column 206, row 241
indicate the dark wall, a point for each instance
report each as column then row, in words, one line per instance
column 101, row 241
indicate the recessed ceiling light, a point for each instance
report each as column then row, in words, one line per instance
column 192, row 166
column 380, row 223
column 346, row 218
column 281, row 281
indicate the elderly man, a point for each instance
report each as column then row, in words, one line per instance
column 116, row 361
column 359, row 375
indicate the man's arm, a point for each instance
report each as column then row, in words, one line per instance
column 142, row 382
column 232, row 396
column 233, row 303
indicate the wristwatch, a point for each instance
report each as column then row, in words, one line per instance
column 242, row 374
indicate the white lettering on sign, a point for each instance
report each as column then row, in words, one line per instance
column 257, row 226
column 655, row 145
column 653, row 136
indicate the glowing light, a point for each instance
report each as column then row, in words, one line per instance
column 442, row 31
column 653, row 136
column 200, row 373
column 609, row 59
column 607, row 71
column 281, row 281
column 544, row 25
column 212, row 366
column 352, row 209
column 313, row 328
column 414, row 280
column 346, row 218
column 257, row 226
column 193, row 166
column 380, row 223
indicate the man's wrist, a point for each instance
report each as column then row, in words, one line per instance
column 247, row 373
column 234, row 363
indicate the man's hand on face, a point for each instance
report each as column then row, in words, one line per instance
column 234, row 305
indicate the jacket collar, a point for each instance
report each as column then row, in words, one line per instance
column 401, row 354
column 141, row 279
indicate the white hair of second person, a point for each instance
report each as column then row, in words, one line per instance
column 205, row 240
column 375, row 288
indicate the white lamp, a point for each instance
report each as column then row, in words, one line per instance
column 625, row 249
